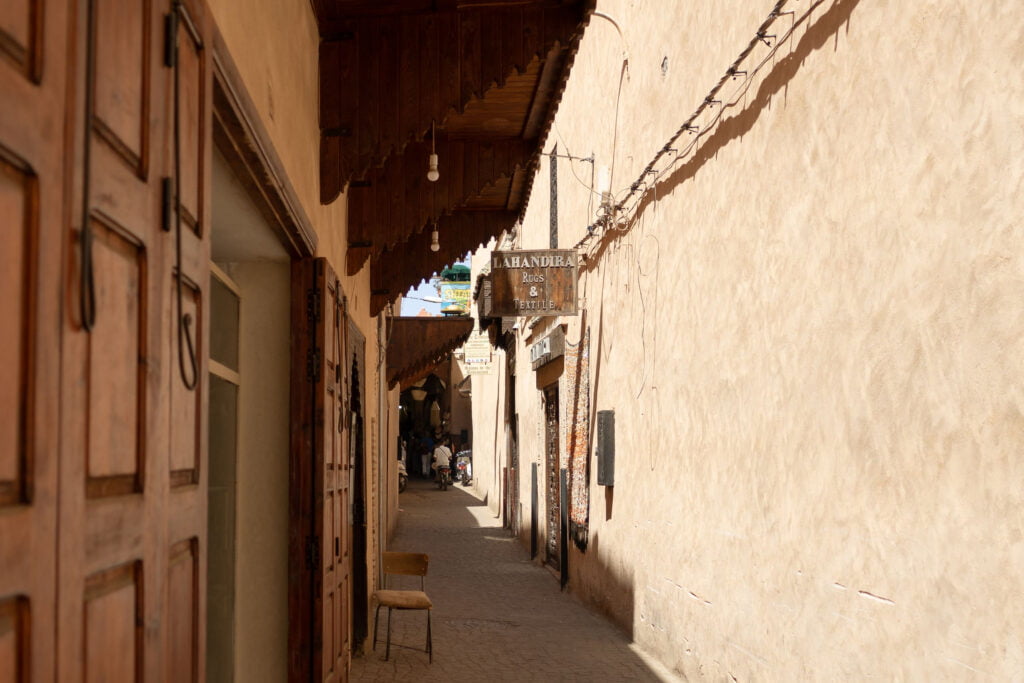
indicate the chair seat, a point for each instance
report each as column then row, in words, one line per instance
column 403, row 599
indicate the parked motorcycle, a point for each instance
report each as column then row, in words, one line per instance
column 403, row 476
column 444, row 478
column 464, row 467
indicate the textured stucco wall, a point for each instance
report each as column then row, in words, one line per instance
column 811, row 335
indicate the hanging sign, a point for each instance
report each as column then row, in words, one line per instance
column 477, row 354
column 455, row 298
column 533, row 283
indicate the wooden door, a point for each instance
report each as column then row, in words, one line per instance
column 32, row 212
column 320, row 592
column 132, row 481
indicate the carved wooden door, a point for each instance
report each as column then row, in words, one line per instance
column 321, row 585
column 32, row 199
column 132, row 480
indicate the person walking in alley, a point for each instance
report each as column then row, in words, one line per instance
column 426, row 447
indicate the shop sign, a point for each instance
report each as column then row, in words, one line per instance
column 533, row 283
column 484, row 302
column 455, row 297
column 476, row 352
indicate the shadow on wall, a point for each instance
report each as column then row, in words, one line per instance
column 735, row 127
column 601, row 587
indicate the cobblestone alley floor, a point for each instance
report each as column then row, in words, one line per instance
column 497, row 616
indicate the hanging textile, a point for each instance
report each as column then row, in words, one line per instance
column 577, row 447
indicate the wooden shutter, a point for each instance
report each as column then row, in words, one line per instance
column 132, row 480
column 32, row 199
column 320, row 533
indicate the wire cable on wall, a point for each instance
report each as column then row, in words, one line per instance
column 639, row 188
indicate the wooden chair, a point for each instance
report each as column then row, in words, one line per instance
column 406, row 564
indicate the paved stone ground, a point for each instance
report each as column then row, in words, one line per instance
column 497, row 616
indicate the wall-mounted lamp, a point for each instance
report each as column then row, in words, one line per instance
column 432, row 174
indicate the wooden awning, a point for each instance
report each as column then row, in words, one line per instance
column 477, row 81
column 417, row 345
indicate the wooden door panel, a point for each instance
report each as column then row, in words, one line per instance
column 113, row 620
column 116, row 377
column 183, row 613
column 18, row 198
column 122, row 78
column 191, row 67
column 21, row 23
column 186, row 405
column 32, row 197
column 15, row 628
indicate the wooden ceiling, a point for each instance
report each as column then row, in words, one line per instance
column 477, row 81
column 418, row 344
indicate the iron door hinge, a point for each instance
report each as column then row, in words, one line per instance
column 167, row 203
column 312, row 552
column 313, row 365
column 171, row 39
column 313, row 305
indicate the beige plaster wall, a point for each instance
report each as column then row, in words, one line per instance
column 274, row 45
column 261, row 490
column 811, row 335
column 488, row 410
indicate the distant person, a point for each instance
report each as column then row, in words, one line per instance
column 424, row 460
column 426, row 448
column 442, row 455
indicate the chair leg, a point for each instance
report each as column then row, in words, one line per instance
column 387, row 652
column 430, row 642
column 376, row 616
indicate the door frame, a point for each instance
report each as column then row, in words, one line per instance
column 241, row 137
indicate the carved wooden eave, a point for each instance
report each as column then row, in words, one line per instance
column 418, row 344
column 477, row 80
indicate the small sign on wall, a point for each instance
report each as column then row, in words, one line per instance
column 548, row 349
column 534, row 283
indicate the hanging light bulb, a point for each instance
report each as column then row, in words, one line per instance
column 434, row 244
column 432, row 174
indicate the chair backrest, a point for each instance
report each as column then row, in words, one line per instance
column 409, row 564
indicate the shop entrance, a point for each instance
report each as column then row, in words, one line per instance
column 553, row 543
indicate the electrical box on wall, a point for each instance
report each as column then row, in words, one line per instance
column 606, row 447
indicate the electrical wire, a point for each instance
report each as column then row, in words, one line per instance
column 622, row 206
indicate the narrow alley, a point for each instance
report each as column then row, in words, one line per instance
column 496, row 616
column 716, row 304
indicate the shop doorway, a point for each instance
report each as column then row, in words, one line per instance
column 357, row 485
column 249, row 375
column 552, row 481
